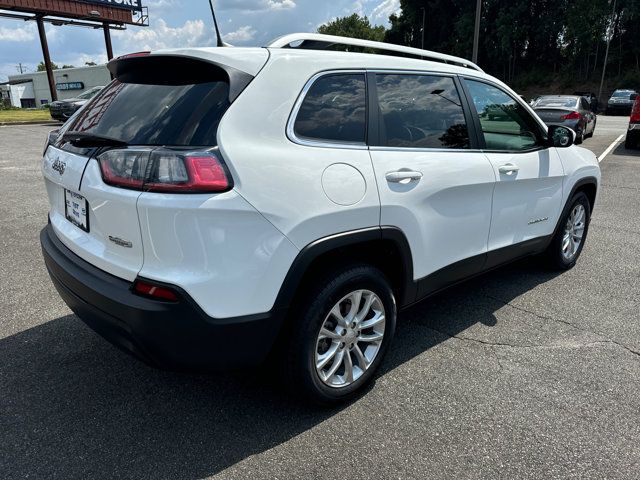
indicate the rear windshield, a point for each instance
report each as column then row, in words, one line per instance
column 568, row 102
column 143, row 114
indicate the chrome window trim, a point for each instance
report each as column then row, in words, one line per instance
column 308, row 142
column 424, row 150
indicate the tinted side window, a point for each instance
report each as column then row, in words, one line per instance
column 506, row 125
column 420, row 111
column 334, row 110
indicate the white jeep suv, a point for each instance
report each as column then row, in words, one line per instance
column 213, row 206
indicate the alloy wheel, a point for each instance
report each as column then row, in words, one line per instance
column 574, row 232
column 350, row 338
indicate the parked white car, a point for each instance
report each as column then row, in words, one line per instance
column 214, row 206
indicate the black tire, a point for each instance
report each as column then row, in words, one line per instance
column 580, row 137
column 632, row 140
column 299, row 370
column 554, row 252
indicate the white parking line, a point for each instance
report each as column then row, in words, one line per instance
column 611, row 147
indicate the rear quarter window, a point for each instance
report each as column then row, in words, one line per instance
column 334, row 110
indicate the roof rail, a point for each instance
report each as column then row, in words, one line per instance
column 318, row 41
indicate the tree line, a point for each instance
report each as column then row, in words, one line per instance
column 523, row 42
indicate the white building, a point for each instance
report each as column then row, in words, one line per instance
column 31, row 90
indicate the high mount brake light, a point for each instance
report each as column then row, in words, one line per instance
column 571, row 116
column 134, row 55
column 165, row 171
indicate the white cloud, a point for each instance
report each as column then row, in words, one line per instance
column 20, row 34
column 384, row 10
column 241, row 35
column 193, row 33
column 256, row 5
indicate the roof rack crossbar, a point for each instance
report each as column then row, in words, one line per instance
column 319, row 42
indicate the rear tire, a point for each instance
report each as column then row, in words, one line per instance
column 580, row 137
column 332, row 353
column 593, row 130
column 631, row 141
column 568, row 241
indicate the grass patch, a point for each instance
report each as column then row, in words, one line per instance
column 22, row 115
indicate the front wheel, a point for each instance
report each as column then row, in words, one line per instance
column 568, row 242
column 339, row 336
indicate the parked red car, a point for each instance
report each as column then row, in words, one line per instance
column 633, row 133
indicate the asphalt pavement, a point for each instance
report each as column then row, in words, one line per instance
column 522, row 373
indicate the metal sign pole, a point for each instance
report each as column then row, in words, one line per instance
column 47, row 58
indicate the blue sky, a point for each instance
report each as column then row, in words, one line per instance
column 176, row 23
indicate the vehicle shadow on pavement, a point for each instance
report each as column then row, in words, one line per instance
column 621, row 150
column 72, row 406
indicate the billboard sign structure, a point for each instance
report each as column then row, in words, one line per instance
column 126, row 4
column 102, row 14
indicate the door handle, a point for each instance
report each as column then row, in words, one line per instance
column 509, row 169
column 403, row 176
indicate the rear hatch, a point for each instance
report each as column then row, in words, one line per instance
column 159, row 106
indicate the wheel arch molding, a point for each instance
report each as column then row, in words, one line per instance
column 385, row 247
column 589, row 185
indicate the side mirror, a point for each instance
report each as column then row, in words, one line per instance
column 561, row 137
column 633, row 96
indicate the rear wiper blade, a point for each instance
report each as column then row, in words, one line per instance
column 85, row 139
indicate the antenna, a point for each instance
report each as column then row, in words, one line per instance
column 215, row 23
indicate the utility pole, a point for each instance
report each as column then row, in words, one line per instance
column 424, row 20
column 606, row 55
column 476, row 33
column 20, row 68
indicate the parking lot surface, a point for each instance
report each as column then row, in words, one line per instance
column 521, row 373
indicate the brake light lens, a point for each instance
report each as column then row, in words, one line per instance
column 134, row 55
column 165, row 171
column 571, row 116
column 635, row 113
column 154, row 291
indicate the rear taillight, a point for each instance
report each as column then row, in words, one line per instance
column 52, row 138
column 571, row 116
column 165, row 171
column 635, row 113
column 158, row 292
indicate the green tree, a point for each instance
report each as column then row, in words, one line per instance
column 68, row 66
column 353, row 26
column 41, row 67
column 90, row 64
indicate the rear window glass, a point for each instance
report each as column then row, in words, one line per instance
column 568, row 102
column 141, row 114
column 334, row 110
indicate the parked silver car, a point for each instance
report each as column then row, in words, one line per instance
column 571, row 111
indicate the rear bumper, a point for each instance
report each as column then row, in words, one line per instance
column 612, row 108
column 172, row 335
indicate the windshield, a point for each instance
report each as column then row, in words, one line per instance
column 566, row 102
column 89, row 93
column 622, row 94
column 142, row 114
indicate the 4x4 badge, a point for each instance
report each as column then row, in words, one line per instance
column 59, row 166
